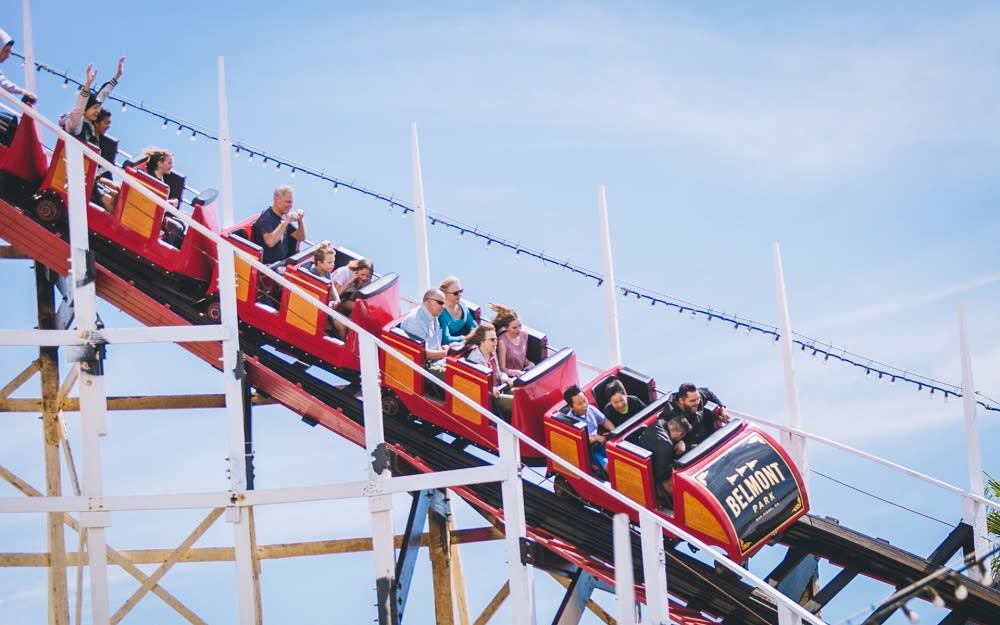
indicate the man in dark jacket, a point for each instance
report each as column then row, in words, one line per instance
column 701, row 407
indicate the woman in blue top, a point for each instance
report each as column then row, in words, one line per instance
column 456, row 319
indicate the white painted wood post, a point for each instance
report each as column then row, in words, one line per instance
column 93, row 399
column 624, row 575
column 420, row 214
column 795, row 444
column 515, row 528
column 225, row 147
column 654, row 570
column 379, row 502
column 610, row 285
column 232, row 374
column 973, row 512
column 29, row 48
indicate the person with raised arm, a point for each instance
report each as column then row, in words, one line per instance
column 6, row 47
column 79, row 121
column 279, row 229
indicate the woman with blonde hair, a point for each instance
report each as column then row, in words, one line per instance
column 513, row 342
column 456, row 319
column 482, row 345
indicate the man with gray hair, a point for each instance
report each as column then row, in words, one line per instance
column 279, row 229
column 422, row 323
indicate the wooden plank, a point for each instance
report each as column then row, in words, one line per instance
column 20, row 379
column 174, row 557
column 457, row 575
column 114, row 557
column 9, row 251
column 146, row 402
column 67, row 386
column 52, row 434
column 494, row 605
column 440, row 556
column 264, row 552
column 255, row 560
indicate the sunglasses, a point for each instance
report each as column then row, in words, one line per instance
column 458, row 292
column 437, row 301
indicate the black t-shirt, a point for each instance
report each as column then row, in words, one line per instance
column 267, row 222
column 634, row 406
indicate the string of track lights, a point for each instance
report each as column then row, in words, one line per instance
column 827, row 351
column 943, row 577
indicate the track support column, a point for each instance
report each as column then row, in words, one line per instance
column 93, row 399
column 49, row 367
column 624, row 574
column 654, row 568
column 247, row 577
column 515, row 528
column 379, row 503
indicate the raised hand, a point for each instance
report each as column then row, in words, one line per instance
column 91, row 75
column 121, row 68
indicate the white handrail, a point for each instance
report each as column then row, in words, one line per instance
column 872, row 457
column 498, row 423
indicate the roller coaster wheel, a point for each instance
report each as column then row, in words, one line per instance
column 562, row 488
column 49, row 209
column 213, row 311
column 392, row 407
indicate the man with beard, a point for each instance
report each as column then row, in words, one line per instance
column 701, row 407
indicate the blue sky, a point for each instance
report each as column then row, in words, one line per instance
column 863, row 140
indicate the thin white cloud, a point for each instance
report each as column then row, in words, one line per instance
column 900, row 304
column 784, row 106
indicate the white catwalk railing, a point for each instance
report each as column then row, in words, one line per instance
column 508, row 432
column 871, row 457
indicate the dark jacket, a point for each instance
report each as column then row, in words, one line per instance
column 702, row 421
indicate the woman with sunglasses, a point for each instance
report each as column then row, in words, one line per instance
column 482, row 344
column 456, row 319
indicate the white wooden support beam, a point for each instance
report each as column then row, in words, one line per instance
column 654, row 568
column 158, row 334
column 795, row 444
column 29, row 48
column 232, row 373
column 610, row 285
column 238, row 500
column 419, row 214
column 515, row 528
column 93, row 407
column 624, row 575
column 973, row 512
column 379, row 503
